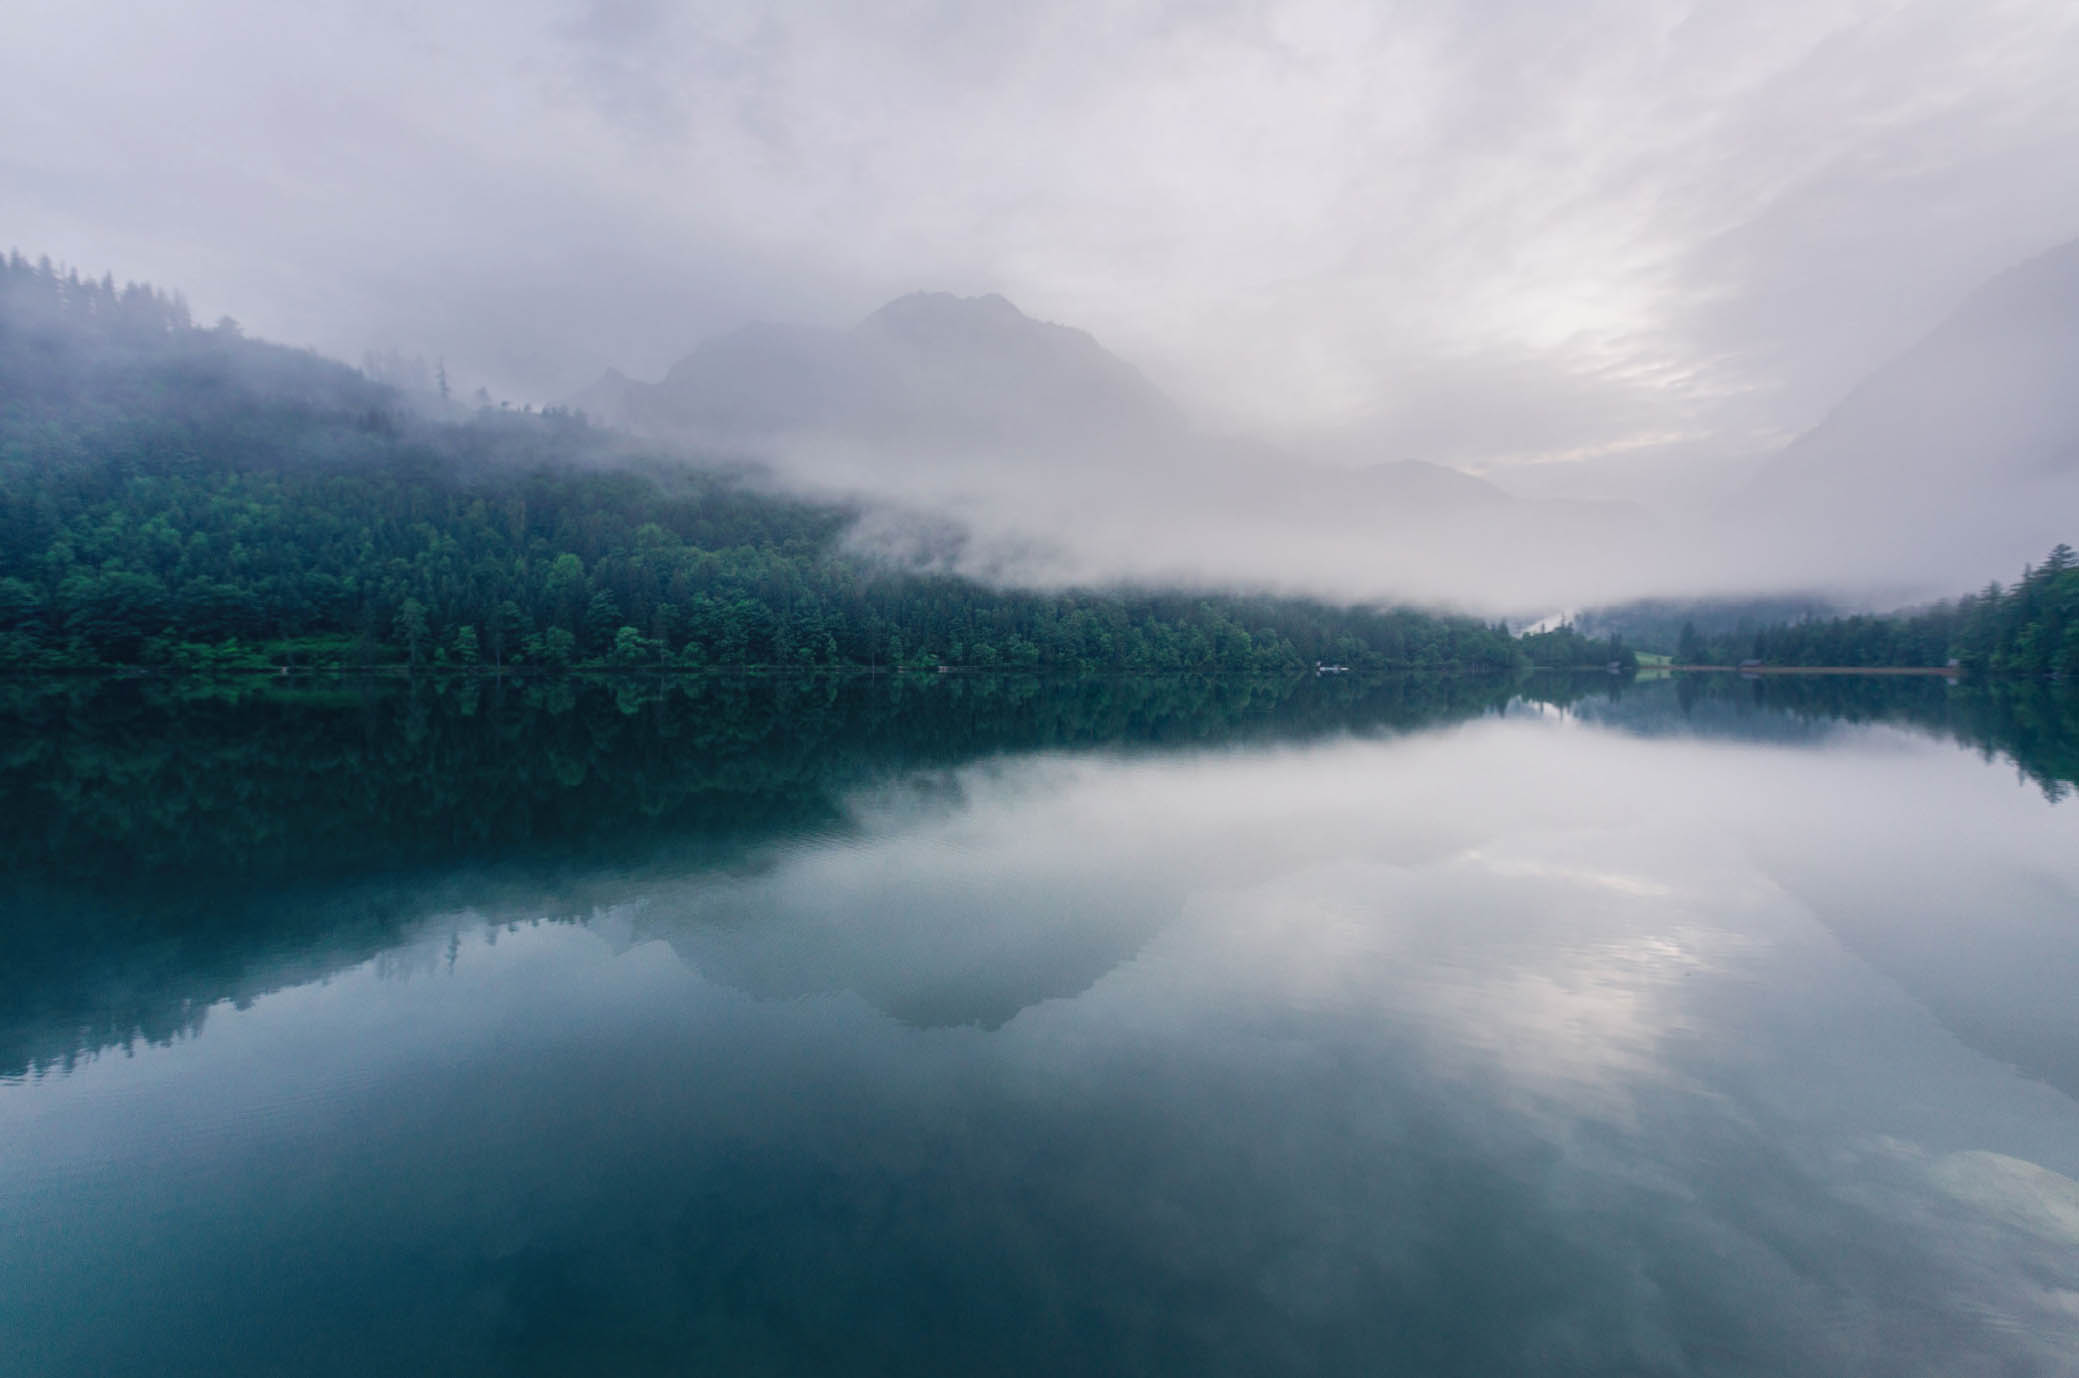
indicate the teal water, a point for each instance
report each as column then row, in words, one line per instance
column 992, row 1027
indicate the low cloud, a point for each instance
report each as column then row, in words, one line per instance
column 1619, row 225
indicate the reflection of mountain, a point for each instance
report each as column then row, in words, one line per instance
column 177, row 848
column 958, row 937
column 983, row 900
column 2011, row 1001
column 165, row 850
column 1963, row 452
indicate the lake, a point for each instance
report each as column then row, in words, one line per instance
column 971, row 1026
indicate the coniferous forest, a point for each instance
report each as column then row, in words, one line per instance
column 183, row 497
column 2030, row 628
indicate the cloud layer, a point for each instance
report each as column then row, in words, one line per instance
column 1630, row 235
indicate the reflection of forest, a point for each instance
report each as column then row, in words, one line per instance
column 2030, row 723
column 172, row 844
column 112, row 782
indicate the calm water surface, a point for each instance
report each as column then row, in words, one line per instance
column 1427, row 1027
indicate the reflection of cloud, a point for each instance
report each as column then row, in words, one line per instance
column 2024, row 1194
column 1638, row 886
column 1401, row 1071
column 1545, row 981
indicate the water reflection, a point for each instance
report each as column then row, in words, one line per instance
column 1539, row 1039
column 170, row 846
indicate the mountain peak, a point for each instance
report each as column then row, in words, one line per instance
column 934, row 320
column 939, row 308
column 929, row 365
column 981, row 357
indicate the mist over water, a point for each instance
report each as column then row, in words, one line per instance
column 1698, row 1027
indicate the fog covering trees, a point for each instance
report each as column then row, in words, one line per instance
column 1062, row 464
column 1950, row 464
column 187, row 497
column 184, row 496
column 2028, row 629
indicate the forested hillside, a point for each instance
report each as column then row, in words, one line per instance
column 2031, row 628
column 186, row 497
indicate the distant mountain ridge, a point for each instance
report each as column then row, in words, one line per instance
column 1057, row 461
column 1964, row 448
column 951, row 369
column 1996, row 383
column 930, row 364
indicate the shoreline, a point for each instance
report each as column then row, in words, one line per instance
column 1945, row 671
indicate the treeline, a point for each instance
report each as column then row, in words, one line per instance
column 180, row 497
column 1655, row 624
column 1566, row 647
column 2031, row 628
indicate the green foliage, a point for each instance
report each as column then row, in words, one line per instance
column 631, row 647
column 555, row 648
column 2029, row 629
column 1565, row 648
column 1690, row 648
column 1695, row 630
column 165, row 491
column 411, row 628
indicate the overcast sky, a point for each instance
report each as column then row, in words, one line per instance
column 1494, row 234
